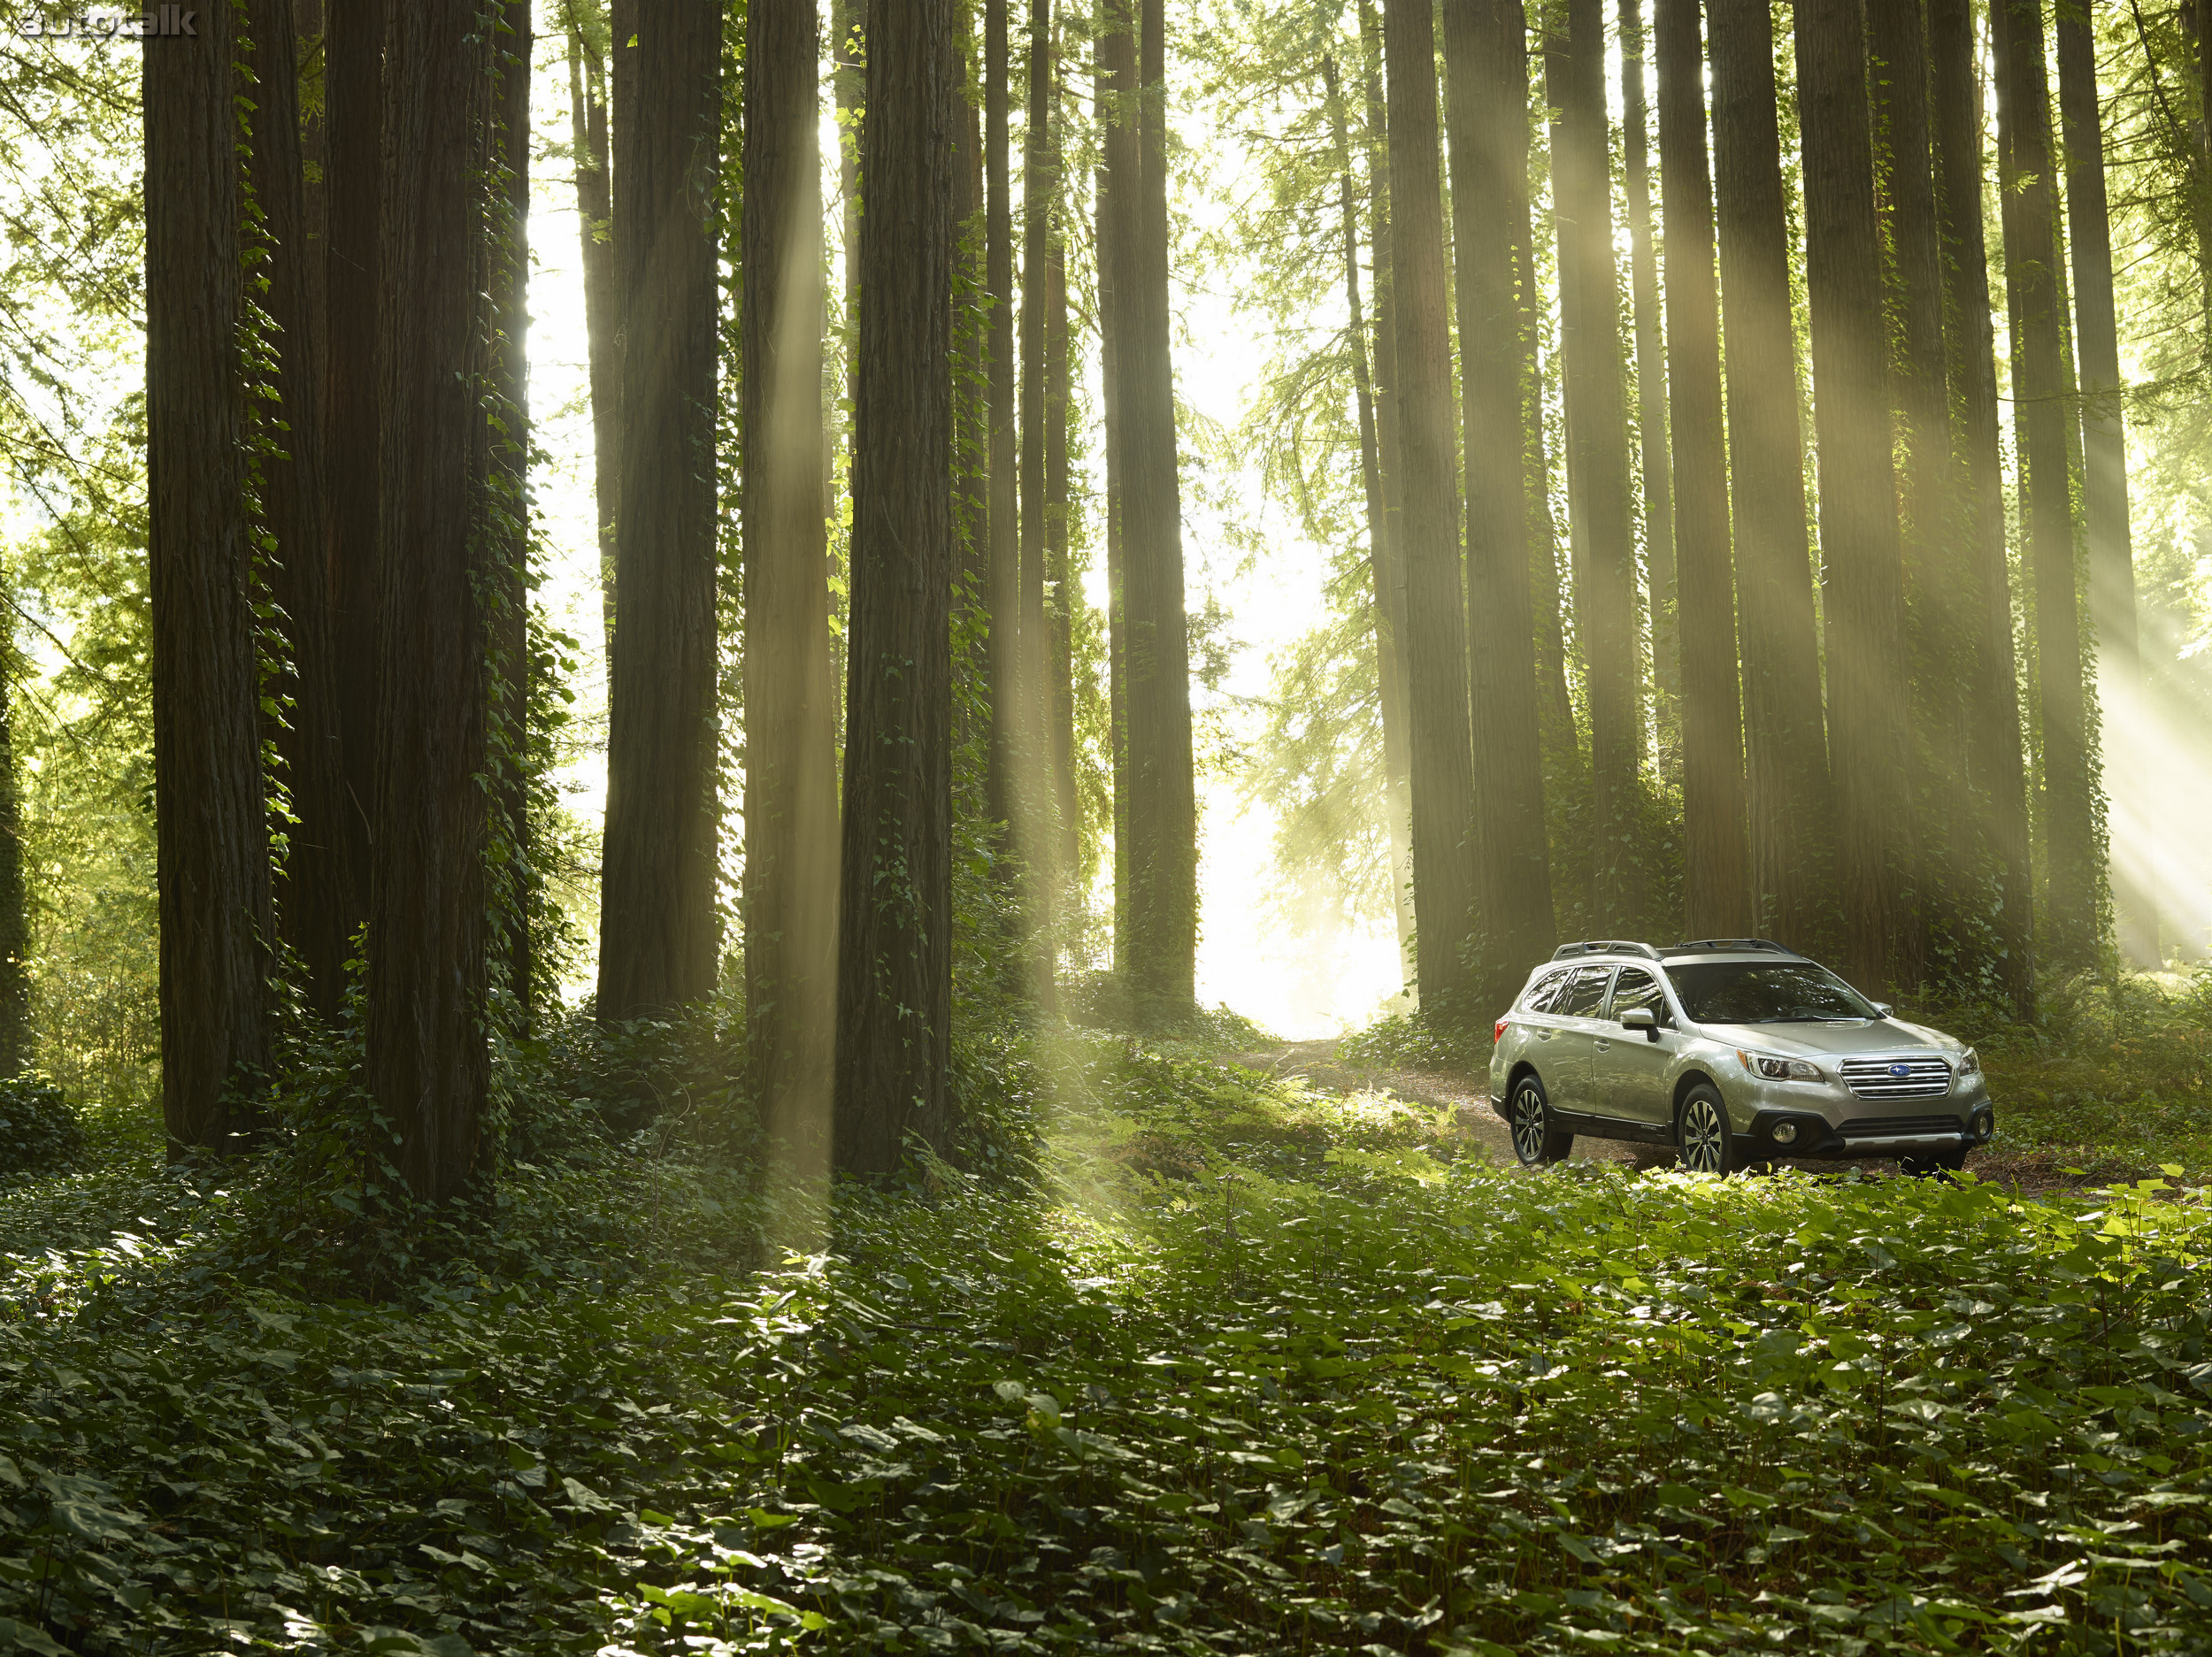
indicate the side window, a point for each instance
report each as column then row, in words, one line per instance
column 1586, row 995
column 1637, row 988
column 1539, row 995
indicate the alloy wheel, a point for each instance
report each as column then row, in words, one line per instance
column 1704, row 1137
column 1528, row 1124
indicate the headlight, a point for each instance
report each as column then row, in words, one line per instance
column 1969, row 1066
column 1775, row 1067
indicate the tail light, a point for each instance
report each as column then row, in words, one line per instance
column 1497, row 1031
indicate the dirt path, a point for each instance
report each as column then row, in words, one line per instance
column 1476, row 1127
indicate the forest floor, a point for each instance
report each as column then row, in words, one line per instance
column 1220, row 1358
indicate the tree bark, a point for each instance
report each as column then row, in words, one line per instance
column 1059, row 575
column 2069, row 938
column 511, row 466
column 353, row 115
column 1115, row 90
column 17, row 1038
column 656, row 918
column 1163, row 801
column 1869, row 724
column 428, row 1066
column 603, row 302
column 1037, row 792
column 895, row 924
column 1651, row 397
column 790, row 697
column 1717, row 871
column 1387, row 543
column 319, row 905
column 1787, row 757
column 1485, row 67
column 1597, row 438
column 1444, row 877
column 212, row 832
column 2105, row 478
column 1992, row 757
column 1003, row 566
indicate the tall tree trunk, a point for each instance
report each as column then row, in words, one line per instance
column 511, row 464
column 212, row 832
column 1115, row 91
column 319, row 905
column 2069, row 940
column 1059, row 575
column 18, row 1039
column 1002, row 568
column 656, row 919
column 1386, row 547
column 307, row 34
column 1163, row 803
column 1597, row 438
column 603, row 302
column 353, row 114
column 790, row 697
column 1995, row 768
column 428, row 1066
column 1787, row 757
column 1036, row 794
column 1651, row 398
column 1486, row 68
column 848, row 23
column 1869, row 724
column 2105, row 478
column 1444, row 877
column 1936, row 626
column 1716, row 859
column 1389, row 670
column 895, row 922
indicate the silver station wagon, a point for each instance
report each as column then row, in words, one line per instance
column 1735, row 1051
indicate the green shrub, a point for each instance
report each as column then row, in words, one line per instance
column 39, row 1131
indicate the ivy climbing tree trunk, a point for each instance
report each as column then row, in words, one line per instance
column 16, row 1036
column 657, row 917
column 895, row 924
column 1037, row 793
column 211, row 831
column 510, row 467
column 427, row 1064
column 1002, row 563
column 1716, row 883
column 1485, row 66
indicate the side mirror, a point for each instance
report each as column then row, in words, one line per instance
column 1883, row 1009
column 1641, row 1018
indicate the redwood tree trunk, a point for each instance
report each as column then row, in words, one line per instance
column 319, row 904
column 210, row 830
column 1869, row 727
column 1597, row 439
column 2069, row 939
column 1486, row 66
column 790, row 695
column 1037, row 793
column 657, row 920
column 1716, row 874
column 1115, row 86
column 2105, row 475
column 1059, row 578
column 428, row 1062
column 18, row 1040
column 1651, row 374
column 895, row 925
column 1436, row 641
column 1996, row 770
column 511, row 464
column 1002, row 565
column 1787, row 758
column 603, row 306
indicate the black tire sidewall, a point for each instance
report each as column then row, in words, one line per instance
column 1730, row 1160
column 1550, row 1151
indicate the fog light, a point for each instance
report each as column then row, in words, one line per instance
column 1786, row 1133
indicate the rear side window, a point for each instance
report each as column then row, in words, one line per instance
column 1637, row 988
column 1538, row 996
column 1585, row 994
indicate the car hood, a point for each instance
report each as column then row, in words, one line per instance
column 1836, row 1041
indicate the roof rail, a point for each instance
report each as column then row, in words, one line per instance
column 1737, row 945
column 1604, row 947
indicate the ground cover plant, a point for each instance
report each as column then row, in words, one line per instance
column 1242, row 1365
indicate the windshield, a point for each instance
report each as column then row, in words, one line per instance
column 1765, row 993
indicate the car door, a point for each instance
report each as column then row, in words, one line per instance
column 1577, row 1018
column 1628, row 1069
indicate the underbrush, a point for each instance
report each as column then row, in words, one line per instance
column 1231, row 1364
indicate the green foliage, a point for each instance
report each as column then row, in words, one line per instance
column 38, row 1130
column 1410, row 1041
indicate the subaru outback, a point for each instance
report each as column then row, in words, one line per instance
column 1734, row 1051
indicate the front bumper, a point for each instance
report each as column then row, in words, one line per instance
column 1785, row 1133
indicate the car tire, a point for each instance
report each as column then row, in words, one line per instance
column 1704, row 1142
column 1537, row 1138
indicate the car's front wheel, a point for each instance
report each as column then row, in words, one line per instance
column 1705, row 1143
column 1536, row 1139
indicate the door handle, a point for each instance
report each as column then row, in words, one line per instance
column 1604, row 1046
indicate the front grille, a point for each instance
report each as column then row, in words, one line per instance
column 1897, row 1127
column 1872, row 1078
